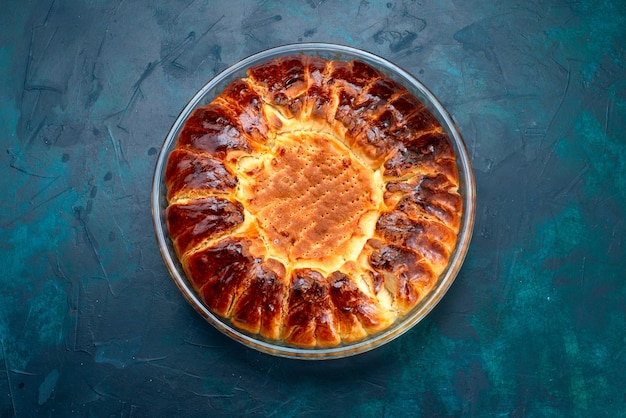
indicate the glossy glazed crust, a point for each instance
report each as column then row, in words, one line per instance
column 217, row 230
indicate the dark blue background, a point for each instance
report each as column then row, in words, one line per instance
column 92, row 324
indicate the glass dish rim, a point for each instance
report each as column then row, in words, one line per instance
column 402, row 325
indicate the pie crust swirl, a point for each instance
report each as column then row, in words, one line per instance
column 313, row 202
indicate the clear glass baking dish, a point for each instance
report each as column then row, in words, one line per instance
column 336, row 52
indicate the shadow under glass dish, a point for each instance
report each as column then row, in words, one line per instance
column 466, row 190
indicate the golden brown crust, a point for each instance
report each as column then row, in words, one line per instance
column 189, row 173
column 357, row 314
column 258, row 309
column 192, row 222
column 313, row 202
column 308, row 319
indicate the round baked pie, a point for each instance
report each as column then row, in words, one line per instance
column 313, row 202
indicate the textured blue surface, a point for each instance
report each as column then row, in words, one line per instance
column 91, row 323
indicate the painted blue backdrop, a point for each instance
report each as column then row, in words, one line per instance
column 91, row 323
